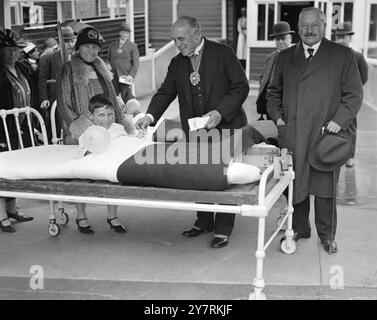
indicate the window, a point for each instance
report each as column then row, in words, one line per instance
column 266, row 12
column 342, row 12
column 372, row 41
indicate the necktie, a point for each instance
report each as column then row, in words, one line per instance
column 310, row 57
column 194, row 60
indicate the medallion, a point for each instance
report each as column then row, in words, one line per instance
column 194, row 78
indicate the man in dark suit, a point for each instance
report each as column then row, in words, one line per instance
column 124, row 60
column 282, row 33
column 49, row 67
column 315, row 84
column 343, row 35
column 209, row 81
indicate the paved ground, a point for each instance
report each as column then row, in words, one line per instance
column 153, row 260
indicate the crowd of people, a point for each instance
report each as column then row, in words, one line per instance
column 307, row 89
column 71, row 75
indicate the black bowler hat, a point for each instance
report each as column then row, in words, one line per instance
column 281, row 28
column 330, row 151
column 343, row 29
column 88, row 35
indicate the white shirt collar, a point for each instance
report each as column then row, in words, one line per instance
column 315, row 47
column 198, row 48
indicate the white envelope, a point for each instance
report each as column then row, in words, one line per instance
column 197, row 123
column 125, row 80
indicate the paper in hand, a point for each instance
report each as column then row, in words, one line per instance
column 125, row 80
column 197, row 123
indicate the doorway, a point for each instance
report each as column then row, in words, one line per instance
column 289, row 11
column 237, row 5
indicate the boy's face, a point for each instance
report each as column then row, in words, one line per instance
column 103, row 117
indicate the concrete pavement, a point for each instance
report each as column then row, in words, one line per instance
column 153, row 260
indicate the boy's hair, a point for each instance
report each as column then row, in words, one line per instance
column 99, row 101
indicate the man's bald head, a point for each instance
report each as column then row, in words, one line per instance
column 186, row 34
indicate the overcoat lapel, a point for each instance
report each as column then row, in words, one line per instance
column 299, row 58
column 209, row 62
column 319, row 60
column 184, row 70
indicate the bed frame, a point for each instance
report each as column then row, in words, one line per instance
column 251, row 200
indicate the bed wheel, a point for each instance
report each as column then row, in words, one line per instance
column 288, row 247
column 53, row 230
column 63, row 217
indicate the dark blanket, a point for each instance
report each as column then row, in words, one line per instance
column 187, row 165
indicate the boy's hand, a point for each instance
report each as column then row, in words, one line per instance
column 78, row 126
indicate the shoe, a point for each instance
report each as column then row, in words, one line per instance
column 19, row 217
column 218, row 242
column 329, row 246
column 194, row 232
column 119, row 228
column 297, row 236
column 350, row 163
column 9, row 228
column 86, row 230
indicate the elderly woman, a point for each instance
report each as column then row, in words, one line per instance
column 15, row 93
column 85, row 76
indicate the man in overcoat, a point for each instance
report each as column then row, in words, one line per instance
column 315, row 84
column 282, row 34
column 209, row 81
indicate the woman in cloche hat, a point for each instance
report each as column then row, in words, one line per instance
column 85, row 76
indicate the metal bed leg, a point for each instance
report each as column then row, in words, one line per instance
column 258, row 282
column 53, row 227
column 287, row 244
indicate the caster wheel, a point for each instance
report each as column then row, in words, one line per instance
column 53, row 230
column 254, row 296
column 288, row 249
column 63, row 218
column 279, row 220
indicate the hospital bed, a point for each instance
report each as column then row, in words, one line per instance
column 250, row 200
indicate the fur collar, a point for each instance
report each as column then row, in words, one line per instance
column 80, row 70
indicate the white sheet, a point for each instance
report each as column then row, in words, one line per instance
column 60, row 161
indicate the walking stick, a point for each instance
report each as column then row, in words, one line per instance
column 333, row 208
column 63, row 52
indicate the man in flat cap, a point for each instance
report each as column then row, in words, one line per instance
column 124, row 60
column 343, row 35
column 282, row 34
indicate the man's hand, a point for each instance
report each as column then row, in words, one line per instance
column 143, row 123
column 214, row 119
column 333, row 127
column 280, row 122
column 45, row 104
column 78, row 126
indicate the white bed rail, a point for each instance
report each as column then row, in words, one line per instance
column 28, row 111
column 55, row 138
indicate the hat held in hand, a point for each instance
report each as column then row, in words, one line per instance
column 330, row 151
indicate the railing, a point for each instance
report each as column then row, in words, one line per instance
column 16, row 113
